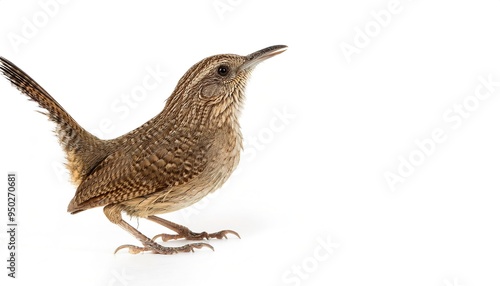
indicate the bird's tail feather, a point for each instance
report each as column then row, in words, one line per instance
column 83, row 150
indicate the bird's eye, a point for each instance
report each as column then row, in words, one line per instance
column 223, row 70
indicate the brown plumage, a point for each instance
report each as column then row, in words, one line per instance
column 172, row 161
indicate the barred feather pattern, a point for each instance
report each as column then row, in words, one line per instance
column 83, row 150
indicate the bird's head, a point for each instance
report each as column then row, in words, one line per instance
column 211, row 92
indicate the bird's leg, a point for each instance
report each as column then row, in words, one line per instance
column 186, row 233
column 113, row 213
column 150, row 245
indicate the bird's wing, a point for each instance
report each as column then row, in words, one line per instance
column 132, row 173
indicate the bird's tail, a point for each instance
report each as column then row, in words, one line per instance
column 83, row 150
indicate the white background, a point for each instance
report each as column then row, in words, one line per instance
column 316, row 177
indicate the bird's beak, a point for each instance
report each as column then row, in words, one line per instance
column 254, row 59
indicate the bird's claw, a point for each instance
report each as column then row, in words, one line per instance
column 196, row 236
column 158, row 249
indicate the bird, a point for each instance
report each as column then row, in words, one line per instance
column 170, row 162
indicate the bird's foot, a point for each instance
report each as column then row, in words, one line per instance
column 190, row 235
column 186, row 233
column 156, row 248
